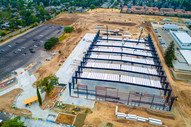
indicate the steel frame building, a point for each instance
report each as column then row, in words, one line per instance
column 130, row 61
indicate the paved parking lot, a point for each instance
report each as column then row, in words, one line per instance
column 16, row 53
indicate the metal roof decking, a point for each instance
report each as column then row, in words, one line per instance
column 127, row 44
column 122, row 78
column 120, row 62
column 122, row 67
column 115, row 57
column 130, row 51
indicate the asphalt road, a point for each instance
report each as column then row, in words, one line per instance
column 10, row 61
column 12, row 34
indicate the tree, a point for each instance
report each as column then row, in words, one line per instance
column 50, row 43
column 39, row 96
column 59, row 52
column 134, row 2
column 14, row 122
column 3, row 33
column 92, row 6
column 170, row 54
column 68, row 29
column 47, row 84
column 189, row 27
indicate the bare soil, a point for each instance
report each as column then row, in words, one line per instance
column 87, row 22
column 65, row 119
column 7, row 101
column 51, row 99
column 105, row 112
column 119, row 23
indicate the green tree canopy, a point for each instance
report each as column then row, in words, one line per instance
column 38, row 95
column 50, row 43
column 3, row 33
column 92, row 6
column 14, row 122
column 47, row 84
column 170, row 54
column 68, row 29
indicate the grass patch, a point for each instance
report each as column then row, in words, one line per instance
column 63, row 36
column 65, row 119
column 79, row 122
column 4, row 31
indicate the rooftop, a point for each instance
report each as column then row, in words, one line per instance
column 169, row 26
column 183, row 37
column 186, row 55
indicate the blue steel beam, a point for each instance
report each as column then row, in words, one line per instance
column 124, row 47
column 122, row 61
column 124, row 40
column 161, row 77
column 154, row 57
column 133, row 84
column 156, row 75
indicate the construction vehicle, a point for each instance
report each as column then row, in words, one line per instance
column 61, row 105
column 86, row 28
column 74, row 112
column 76, row 108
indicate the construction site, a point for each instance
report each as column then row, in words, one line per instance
column 114, row 73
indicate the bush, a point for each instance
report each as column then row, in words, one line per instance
column 34, row 25
column 68, row 29
column 15, row 122
column 50, row 43
column 189, row 27
column 3, row 33
column 92, row 6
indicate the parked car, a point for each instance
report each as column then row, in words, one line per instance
column 35, row 46
column 16, row 42
column 15, row 52
column 2, row 50
column 19, row 50
column 38, row 44
column 32, row 51
column 9, row 46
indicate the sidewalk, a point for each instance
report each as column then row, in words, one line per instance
column 68, row 68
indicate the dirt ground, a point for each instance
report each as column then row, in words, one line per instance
column 7, row 101
column 81, row 113
column 69, row 108
column 51, row 99
column 105, row 112
column 65, row 119
column 181, row 108
column 86, row 23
